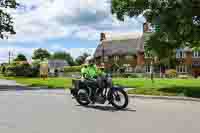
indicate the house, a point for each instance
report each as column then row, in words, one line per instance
column 122, row 50
column 127, row 50
column 56, row 65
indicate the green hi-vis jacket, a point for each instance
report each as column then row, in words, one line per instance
column 91, row 72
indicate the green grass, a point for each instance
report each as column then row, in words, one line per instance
column 167, row 87
column 36, row 82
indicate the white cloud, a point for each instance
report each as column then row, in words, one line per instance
column 51, row 19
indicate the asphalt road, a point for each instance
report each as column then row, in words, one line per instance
column 52, row 112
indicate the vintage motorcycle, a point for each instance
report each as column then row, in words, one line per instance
column 83, row 90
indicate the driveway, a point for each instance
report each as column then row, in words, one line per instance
column 53, row 112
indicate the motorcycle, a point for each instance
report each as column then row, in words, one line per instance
column 83, row 91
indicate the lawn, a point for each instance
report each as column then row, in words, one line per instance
column 50, row 82
column 167, row 87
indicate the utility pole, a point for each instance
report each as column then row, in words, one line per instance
column 9, row 56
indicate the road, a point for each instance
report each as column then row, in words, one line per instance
column 55, row 112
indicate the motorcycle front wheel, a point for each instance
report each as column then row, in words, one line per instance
column 83, row 97
column 119, row 99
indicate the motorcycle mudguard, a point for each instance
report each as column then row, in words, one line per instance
column 73, row 91
column 114, row 88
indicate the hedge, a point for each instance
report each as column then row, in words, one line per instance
column 187, row 91
column 72, row 69
column 18, row 70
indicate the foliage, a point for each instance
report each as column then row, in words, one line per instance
column 20, row 57
column 181, row 32
column 72, row 69
column 18, row 69
column 63, row 56
column 41, row 54
column 6, row 20
column 128, row 75
column 171, row 73
column 184, row 76
column 81, row 59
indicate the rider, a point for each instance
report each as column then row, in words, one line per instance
column 92, row 74
column 84, row 70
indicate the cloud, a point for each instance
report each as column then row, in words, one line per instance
column 40, row 20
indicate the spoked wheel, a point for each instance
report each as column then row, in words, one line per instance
column 120, row 99
column 83, row 97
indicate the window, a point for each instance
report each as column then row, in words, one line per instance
column 148, row 68
column 116, row 58
column 128, row 57
column 106, row 58
column 182, row 69
column 147, row 55
column 195, row 54
column 180, row 54
column 128, row 68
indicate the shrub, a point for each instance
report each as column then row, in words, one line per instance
column 171, row 73
column 184, row 76
column 18, row 70
column 72, row 69
column 192, row 92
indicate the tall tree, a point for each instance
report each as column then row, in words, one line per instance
column 185, row 27
column 41, row 54
column 20, row 57
column 6, row 25
column 63, row 56
column 178, row 22
column 81, row 59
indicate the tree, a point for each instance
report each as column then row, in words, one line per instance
column 81, row 59
column 41, row 54
column 20, row 57
column 177, row 22
column 6, row 25
column 185, row 27
column 63, row 56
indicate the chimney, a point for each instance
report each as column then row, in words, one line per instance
column 145, row 27
column 102, row 36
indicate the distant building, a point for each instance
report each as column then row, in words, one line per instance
column 55, row 64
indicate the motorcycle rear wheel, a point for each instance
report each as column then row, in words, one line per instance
column 83, row 97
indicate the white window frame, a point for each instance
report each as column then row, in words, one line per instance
column 106, row 58
column 147, row 68
column 195, row 54
column 116, row 58
column 128, row 57
column 128, row 68
column 182, row 69
column 178, row 54
column 147, row 55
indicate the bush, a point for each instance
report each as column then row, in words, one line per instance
column 187, row 91
column 184, row 76
column 72, row 69
column 171, row 73
column 192, row 92
column 18, row 70
column 128, row 75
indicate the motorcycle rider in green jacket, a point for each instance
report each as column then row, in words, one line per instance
column 92, row 75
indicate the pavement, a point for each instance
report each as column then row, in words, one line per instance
column 44, row 111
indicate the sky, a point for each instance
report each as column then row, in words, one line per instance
column 73, row 26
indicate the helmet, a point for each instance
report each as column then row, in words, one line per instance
column 89, row 60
